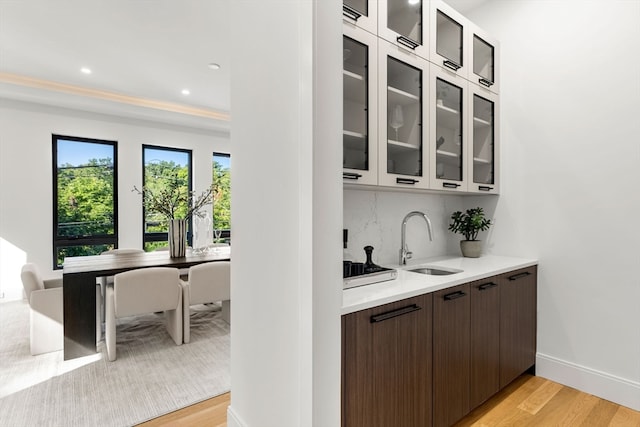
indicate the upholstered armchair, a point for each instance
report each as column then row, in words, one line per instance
column 146, row 290
column 105, row 280
column 46, row 322
column 207, row 283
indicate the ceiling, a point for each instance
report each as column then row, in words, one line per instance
column 142, row 54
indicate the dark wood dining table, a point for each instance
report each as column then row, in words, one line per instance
column 79, row 275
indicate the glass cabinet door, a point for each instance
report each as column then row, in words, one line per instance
column 484, row 52
column 448, row 134
column 402, row 118
column 483, row 160
column 359, row 107
column 406, row 24
column 448, row 44
column 361, row 13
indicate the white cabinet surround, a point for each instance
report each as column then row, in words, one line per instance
column 420, row 98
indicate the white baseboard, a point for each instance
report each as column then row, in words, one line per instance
column 606, row 386
column 233, row 420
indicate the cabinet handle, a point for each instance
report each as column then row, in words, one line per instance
column 450, row 185
column 351, row 175
column 395, row 313
column 485, row 82
column 407, row 42
column 486, row 286
column 484, row 188
column 452, row 65
column 454, row 295
column 350, row 13
column 406, row 181
column 519, row 275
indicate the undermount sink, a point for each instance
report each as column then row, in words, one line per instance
column 434, row 271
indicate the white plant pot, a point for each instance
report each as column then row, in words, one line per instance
column 471, row 248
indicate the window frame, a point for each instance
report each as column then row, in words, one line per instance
column 161, row 236
column 226, row 234
column 93, row 240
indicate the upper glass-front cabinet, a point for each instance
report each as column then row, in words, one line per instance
column 483, row 128
column 448, row 131
column 402, row 122
column 361, row 13
column 359, row 156
column 485, row 52
column 448, row 42
column 405, row 23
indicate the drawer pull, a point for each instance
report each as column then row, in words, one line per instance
column 450, row 185
column 486, row 286
column 485, row 82
column 351, row 175
column 395, row 313
column 454, row 295
column 452, row 65
column 351, row 13
column 406, row 181
column 484, row 188
column 407, row 42
column 519, row 275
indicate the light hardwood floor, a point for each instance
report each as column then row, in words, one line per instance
column 528, row 401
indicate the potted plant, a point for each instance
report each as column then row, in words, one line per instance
column 469, row 224
column 177, row 205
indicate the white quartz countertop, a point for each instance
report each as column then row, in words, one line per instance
column 409, row 284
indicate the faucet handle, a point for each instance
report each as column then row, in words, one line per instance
column 409, row 255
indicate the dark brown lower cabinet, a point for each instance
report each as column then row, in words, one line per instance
column 431, row 359
column 485, row 340
column 518, row 296
column 451, row 352
column 386, row 365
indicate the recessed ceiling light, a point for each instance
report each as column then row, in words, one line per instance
column 214, row 66
column 414, row 1
column 85, row 70
column 185, row 91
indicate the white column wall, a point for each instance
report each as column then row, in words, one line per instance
column 286, row 213
column 26, row 176
column 571, row 170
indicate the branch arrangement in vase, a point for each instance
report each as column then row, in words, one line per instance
column 170, row 198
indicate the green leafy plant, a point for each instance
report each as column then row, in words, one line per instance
column 469, row 223
column 168, row 201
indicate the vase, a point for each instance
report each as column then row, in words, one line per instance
column 471, row 248
column 177, row 238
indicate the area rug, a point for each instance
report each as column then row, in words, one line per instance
column 150, row 377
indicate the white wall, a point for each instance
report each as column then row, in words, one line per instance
column 287, row 214
column 375, row 218
column 571, row 170
column 26, row 176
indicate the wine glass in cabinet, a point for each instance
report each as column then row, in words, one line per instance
column 361, row 13
column 403, row 115
column 405, row 23
column 448, row 132
column 448, row 41
column 359, row 155
column 484, row 140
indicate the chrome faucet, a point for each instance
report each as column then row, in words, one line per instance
column 404, row 250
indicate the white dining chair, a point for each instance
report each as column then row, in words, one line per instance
column 105, row 280
column 142, row 291
column 46, row 315
column 207, row 283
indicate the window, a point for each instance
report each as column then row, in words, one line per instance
column 222, row 193
column 85, row 194
column 160, row 165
